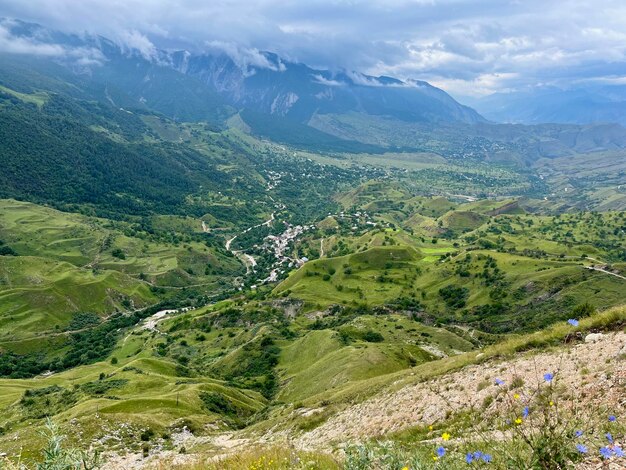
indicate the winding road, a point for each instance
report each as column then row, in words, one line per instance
column 246, row 259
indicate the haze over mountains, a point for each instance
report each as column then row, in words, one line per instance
column 578, row 105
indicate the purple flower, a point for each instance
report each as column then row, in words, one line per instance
column 499, row 382
column 612, row 418
column 617, row 450
column 441, row 451
column 581, row 448
column 572, row 322
column 548, row 377
column 578, row 433
column 605, row 452
column 609, row 437
column 525, row 412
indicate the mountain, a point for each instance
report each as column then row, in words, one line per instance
column 188, row 86
column 295, row 90
column 593, row 104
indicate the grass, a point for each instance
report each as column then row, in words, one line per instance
column 34, row 230
column 66, row 265
column 249, row 362
column 321, row 361
column 151, row 395
column 38, row 98
column 270, row 458
column 41, row 296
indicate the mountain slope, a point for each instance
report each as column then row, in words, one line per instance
column 295, row 90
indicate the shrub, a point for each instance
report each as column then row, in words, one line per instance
column 373, row 337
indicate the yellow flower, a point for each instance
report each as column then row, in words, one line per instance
column 445, row 436
column 516, row 396
column 405, row 468
column 430, row 428
column 551, row 403
column 518, row 421
column 435, row 458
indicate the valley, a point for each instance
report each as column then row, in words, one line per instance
column 210, row 263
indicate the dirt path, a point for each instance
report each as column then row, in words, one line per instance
column 593, row 268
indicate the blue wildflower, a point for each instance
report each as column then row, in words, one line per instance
column 478, row 454
column 548, row 377
column 609, row 437
column 486, row 458
column 582, row 448
column 578, row 433
column 605, row 452
column 499, row 382
column 612, row 418
column 525, row 412
column 441, row 451
column 572, row 322
column 617, row 450
column 469, row 458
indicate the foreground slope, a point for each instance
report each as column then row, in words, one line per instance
column 412, row 408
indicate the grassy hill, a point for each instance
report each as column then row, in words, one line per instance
column 67, row 265
column 488, row 264
column 142, row 395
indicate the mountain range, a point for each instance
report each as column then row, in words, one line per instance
column 577, row 105
column 209, row 84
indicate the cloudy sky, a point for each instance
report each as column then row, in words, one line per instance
column 467, row 47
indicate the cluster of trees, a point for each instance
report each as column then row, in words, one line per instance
column 84, row 347
column 6, row 250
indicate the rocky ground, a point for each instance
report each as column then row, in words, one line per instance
column 593, row 372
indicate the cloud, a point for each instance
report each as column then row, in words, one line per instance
column 447, row 41
column 17, row 45
column 247, row 59
column 40, row 45
column 134, row 41
column 326, row 81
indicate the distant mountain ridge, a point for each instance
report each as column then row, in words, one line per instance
column 581, row 105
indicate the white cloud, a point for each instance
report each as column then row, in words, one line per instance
column 327, row 82
column 15, row 44
column 481, row 85
column 247, row 59
column 18, row 45
column 134, row 41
